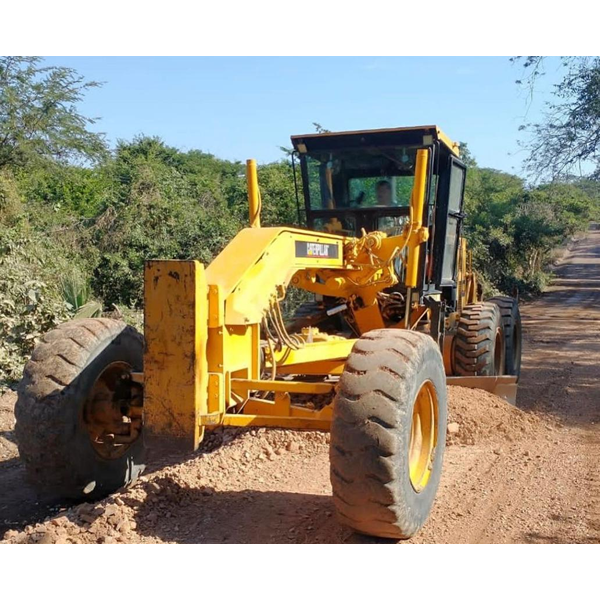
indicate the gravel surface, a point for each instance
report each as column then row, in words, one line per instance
column 510, row 475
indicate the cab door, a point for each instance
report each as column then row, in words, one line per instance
column 448, row 225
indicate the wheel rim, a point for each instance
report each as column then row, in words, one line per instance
column 423, row 436
column 112, row 412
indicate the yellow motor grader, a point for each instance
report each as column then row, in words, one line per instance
column 393, row 314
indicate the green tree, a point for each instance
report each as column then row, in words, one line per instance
column 39, row 117
column 167, row 204
column 490, row 200
column 512, row 229
column 69, row 189
column 466, row 155
column 568, row 137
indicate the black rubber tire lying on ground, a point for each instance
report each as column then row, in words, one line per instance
column 511, row 320
column 51, row 434
column 479, row 347
column 373, row 412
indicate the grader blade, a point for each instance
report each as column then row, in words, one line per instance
column 175, row 363
column 504, row 386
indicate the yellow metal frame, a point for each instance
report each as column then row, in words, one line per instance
column 418, row 233
column 175, row 360
column 254, row 201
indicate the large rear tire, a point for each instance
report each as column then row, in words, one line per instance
column 388, row 433
column 479, row 346
column 511, row 321
column 71, row 413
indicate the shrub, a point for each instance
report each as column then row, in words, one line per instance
column 161, row 217
column 31, row 302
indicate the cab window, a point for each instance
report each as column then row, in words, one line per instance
column 358, row 179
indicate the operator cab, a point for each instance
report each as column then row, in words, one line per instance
column 364, row 180
column 348, row 190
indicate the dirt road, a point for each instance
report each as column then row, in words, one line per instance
column 545, row 487
column 509, row 475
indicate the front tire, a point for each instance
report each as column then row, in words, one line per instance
column 72, row 425
column 388, row 433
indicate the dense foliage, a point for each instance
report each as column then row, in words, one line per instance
column 32, row 268
column 512, row 229
column 74, row 234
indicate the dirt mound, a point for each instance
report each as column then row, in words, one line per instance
column 161, row 506
column 478, row 417
column 196, row 500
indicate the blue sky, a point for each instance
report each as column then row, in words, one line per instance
column 238, row 108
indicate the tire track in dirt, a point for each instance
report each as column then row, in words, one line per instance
column 546, row 488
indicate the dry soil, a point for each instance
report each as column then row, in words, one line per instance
column 510, row 475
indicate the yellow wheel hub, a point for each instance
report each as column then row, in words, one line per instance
column 423, row 436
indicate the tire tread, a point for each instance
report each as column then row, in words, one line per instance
column 44, row 392
column 367, row 431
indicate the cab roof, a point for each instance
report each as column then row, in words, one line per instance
column 423, row 135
